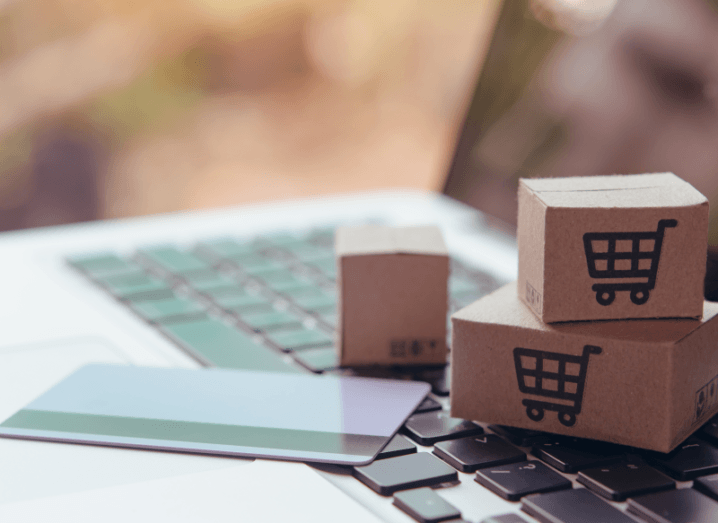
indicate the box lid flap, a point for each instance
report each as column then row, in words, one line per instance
column 504, row 307
column 378, row 239
column 635, row 190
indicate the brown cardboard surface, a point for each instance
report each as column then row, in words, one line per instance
column 564, row 223
column 650, row 383
column 392, row 295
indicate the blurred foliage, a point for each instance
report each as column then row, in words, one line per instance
column 155, row 99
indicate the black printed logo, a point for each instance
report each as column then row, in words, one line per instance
column 412, row 348
column 706, row 398
column 558, row 377
column 701, row 401
column 625, row 255
column 533, row 297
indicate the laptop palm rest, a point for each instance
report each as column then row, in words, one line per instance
column 34, row 469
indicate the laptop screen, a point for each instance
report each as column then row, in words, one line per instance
column 610, row 86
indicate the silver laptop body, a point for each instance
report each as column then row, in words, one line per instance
column 55, row 320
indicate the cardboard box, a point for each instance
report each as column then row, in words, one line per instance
column 643, row 383
column 392, row 295
column 612, row 247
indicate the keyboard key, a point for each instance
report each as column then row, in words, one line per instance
column 428, row 405
column 521, row 437
column 307, row 251
column 328, row 267
column 243, row 303
column 516, row 480
column 137, row 286
column 267, row 321
column 173, row 260
column 708, row 485
column 422, row 469
column 226, row 248
column 505, row 518
column 675, row 506
column 318, row 360
column 277, row 276
column 257, row 265
column 459, row 285
column 709, row 431
column 572, row 506
column 471, row 454
column 442, row 386
column 623, row 480
column 431, row 427
column 329, row 319
column 322, row 236
column 304, row 291
column 425, row 505
column 296, row 289
column 439, row 379
column 398, row 446
column 168, row 310
column 316, row 302
column 320, row 256
column 280, row 239
column 102, row 264
column 228, row 291
column 571, row 455
column 693, row 458
column 220, row 345
column 300, row 339
column 328, row 263
column 208, row 281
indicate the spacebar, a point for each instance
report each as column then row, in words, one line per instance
column 218, row 345
column 572, row 506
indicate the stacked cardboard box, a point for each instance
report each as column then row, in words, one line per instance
column 606, row 334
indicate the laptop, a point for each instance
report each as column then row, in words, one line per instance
column 180, row 290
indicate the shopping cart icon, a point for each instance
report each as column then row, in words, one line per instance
column 559, row 377
column 638, row 260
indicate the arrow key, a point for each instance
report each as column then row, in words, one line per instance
column 473, row 453
column 623, row 480
column 571, row 454
column 516, row 480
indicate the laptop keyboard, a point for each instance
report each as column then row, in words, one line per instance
column 270, row 303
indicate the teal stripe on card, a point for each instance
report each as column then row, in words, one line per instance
column 187, row 431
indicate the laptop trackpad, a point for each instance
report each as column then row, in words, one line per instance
column 38, row 469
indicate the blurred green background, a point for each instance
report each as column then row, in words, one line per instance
column 113, row 108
